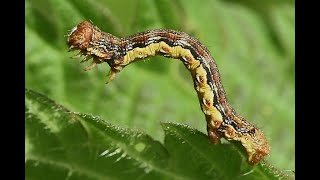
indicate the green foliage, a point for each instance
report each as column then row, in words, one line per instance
column 253, row 44
column 72, row 145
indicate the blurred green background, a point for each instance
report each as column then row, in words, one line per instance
column 251, row 41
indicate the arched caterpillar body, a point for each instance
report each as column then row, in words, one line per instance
column 222, row 120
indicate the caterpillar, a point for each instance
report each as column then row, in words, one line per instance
column 222, row 120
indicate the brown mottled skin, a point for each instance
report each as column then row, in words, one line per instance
column 222, row 120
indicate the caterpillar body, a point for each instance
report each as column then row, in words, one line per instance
column 222, row 120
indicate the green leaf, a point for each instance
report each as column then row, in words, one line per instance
column 61, row 144
column 251, row 41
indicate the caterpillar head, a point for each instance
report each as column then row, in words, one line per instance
column 92, row 42
column 80, row 36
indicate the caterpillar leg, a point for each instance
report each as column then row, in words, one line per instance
column 111, row 75
column 213, row 135
column 94, row 63
column 114, row 69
